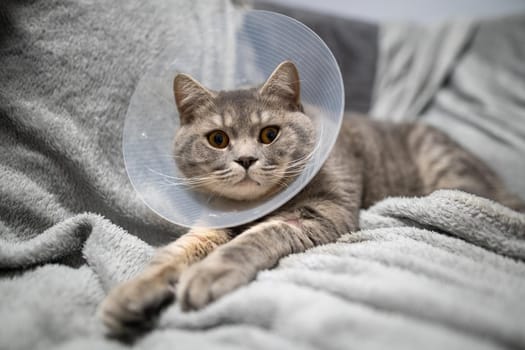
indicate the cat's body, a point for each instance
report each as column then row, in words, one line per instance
column 411, row 159
column 371, row 160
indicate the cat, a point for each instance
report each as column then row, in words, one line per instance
column 248, row 144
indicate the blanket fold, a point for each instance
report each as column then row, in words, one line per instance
column 481, row 222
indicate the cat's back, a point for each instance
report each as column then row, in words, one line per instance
column 371, row 133
column 377, row 159
column 411, row 159
column 398, row 141
column 386, row 151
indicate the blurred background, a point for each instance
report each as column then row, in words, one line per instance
column 423, row 11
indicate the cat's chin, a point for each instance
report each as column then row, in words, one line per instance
column 246, row 190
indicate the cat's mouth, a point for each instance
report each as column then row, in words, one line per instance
column 247, row 180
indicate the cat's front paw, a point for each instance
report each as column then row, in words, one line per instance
column 134, row 306
column 208, row 280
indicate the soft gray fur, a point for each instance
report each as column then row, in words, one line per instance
column 242, row 116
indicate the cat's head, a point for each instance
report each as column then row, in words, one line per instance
column 242, row 144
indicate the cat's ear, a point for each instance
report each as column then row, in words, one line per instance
column 189, row 94
column 283, row 82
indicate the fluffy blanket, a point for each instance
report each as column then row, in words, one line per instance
column 436, row 272
column 444, row 271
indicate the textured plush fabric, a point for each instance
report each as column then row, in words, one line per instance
column 68, row 70
column 440, row 272
column 405, row 281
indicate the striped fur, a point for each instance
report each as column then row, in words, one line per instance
column 371, row 160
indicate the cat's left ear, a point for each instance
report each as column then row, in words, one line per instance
column 284, row 82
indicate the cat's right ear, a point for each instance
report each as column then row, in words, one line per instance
column 189, row 94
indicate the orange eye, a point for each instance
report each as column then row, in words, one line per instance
column 218, row 139
column 269, row 134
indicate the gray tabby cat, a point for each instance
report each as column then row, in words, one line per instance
column 247, row 144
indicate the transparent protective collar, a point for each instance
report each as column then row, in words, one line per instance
column 240, row 53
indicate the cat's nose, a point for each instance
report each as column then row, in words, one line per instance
column 246, row 162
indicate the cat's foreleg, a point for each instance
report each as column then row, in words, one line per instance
column 261, row 246
column 134, row 305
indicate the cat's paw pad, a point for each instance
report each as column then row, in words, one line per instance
column 207, row 281
column 134, row 306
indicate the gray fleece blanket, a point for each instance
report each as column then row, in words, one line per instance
column 445, row 271
column 436, row 272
